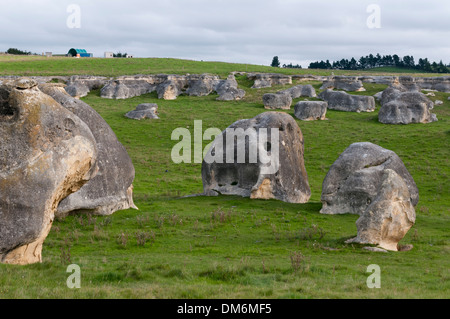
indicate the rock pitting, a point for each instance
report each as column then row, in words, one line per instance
column 245, row 178
column 111, row 190
column 342, row 101
column 354, row 180
column 48, row 153
column 389, row 217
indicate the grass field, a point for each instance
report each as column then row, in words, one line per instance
column 39, row 65
column 232, row 247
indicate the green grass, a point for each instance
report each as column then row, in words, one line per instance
column 39, row 65
column 232, row 247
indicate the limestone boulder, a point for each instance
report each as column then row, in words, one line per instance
column 346, row 83
column 127, row 87
column 389, row 217
column 80, row 86
column 279, row 100
column 47, row 153
column 144, row 111
column 228, row 90
column 301, row 91
column 405, row 108
column 169, row 90
column 310, row 110
column 354, row 180
column 264, row 160
column 111, row 190
column 202, row 85
column 342, row 101
column 265, row 80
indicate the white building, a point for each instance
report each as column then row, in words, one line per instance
column 109, row 55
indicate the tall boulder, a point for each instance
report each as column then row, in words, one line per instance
column 389, row 217
column 111, row 190
column 48, row 153
column 265, row 160
column 354, row 180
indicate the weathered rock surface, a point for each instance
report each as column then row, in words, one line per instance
column 354, row 180
column 127, row 87
column 168, row 90
column 438, row 102
column 405, row 107
column 47, row 153
column 342, row 101
column 80, row 86
column 111, row 190
column 279, row 100
column 310, row 110
column 346, row 83
column 300, row 91
column 281, row 177
column 389, row 217
column 265, row 80
column 228, row 90
column 144, row 111
column 202, row 85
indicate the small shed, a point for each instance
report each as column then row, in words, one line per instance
column 79, row 52
column 109, row 55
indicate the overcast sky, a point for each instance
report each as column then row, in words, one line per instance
column 245, row 31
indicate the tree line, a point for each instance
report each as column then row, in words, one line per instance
column 16, row 51
column 276, row 64
column 374, row 61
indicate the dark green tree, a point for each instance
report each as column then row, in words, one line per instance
column 275, row 62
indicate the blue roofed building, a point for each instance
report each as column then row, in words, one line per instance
column 81, row 52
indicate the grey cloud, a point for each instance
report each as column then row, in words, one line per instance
column 232, row 31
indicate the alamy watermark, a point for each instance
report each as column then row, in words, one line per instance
column 374, row 280
column 74, row 19
column 249, row 146
column 74, row 280
column 374, row 19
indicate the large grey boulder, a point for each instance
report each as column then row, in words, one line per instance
column 127, row 87
column 228, row 90
column 111, row 190
column 265, row 80
column 353, row 183
column 310, row 110
column 342, row 101
column 405, row 107
column 390, row 216
column 279, row 100
column 144, row 111
column 346, row 83
column 258, row 167
column 301, row 91
column 80, row 86
column 202, row 85
column 169, row 90
column 47, row 154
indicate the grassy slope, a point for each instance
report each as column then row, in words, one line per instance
column 231, row 247
column 38, row 65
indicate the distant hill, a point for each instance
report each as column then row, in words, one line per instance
column 38, row 65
